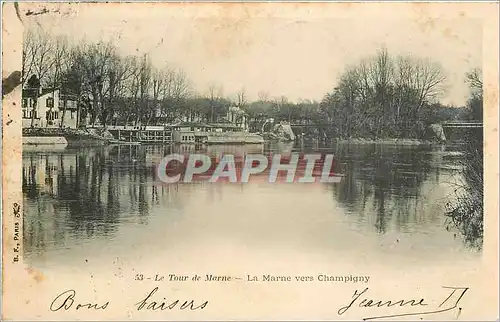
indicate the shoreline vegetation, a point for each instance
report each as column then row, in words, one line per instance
column 466, row 211
column 95, row 135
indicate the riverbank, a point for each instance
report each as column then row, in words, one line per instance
column 359, row 141
column 45, row 140
column 73, row 137
column 233, row 138
column 385, row 141
column 465, row 208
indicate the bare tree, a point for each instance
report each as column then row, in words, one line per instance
column 60, row 64
column 42, row 51
column 36, row 60
column 180, row 88
column 165, row 82
column 28, row 55
column 144, row 78
column 263, row 96
column 430, row 79
column 215, row 91
column 241, row 98
column 59, row 61
column 475, row 79
column 95, row 62
column 119, row 72
column 158, row 84
column 180, row 85
column 381, row 94
column 475, row 102
column 212, row 96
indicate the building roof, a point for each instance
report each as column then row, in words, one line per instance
column 29, row 92
column 224, row 125
column 193, row 124
column 32, row 92
column 48, row 91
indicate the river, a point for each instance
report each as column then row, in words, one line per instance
column 93, row 202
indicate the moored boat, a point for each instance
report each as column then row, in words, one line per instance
column 201, row 133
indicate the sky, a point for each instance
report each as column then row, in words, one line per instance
column 293, row 50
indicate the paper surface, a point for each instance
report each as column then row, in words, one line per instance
column 90, row 233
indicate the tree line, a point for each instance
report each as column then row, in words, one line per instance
column 467, row 210
column 106, row 84
column 382, row 96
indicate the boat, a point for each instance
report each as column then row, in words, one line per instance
column 215, row 133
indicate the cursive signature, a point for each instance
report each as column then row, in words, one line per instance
column 66, row 299
column 360, row 300
column 148, row 304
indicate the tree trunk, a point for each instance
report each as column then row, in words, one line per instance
column 33, row 110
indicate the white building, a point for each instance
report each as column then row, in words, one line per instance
column 51, row 107
column 238, row 117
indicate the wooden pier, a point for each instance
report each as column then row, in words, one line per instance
column 462, row 124
column 142, row 134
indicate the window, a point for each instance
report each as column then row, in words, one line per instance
column 32, row 102
column 72, row 115
column 49, row 102
column 51, row 115
column 25, row 102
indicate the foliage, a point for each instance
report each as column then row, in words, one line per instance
column 384, row 96
column 467, row 212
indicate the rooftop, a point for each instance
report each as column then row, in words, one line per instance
column 33, row 92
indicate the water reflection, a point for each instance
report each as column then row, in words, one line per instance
column 72, row 197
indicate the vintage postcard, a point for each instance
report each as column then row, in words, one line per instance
column 250, row 161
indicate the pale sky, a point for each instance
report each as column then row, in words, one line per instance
column 295, row 50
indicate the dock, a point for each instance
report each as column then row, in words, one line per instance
column 142, row 134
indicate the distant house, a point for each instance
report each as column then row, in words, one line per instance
column 192, row 117
column 52, row 105
column 238, row 117
column 224, row 125
column 190, row 132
